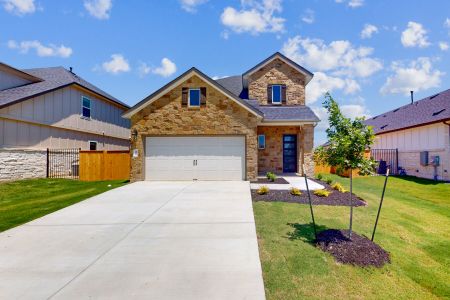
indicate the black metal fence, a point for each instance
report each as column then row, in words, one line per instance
column 386, row 158
column 63, row 163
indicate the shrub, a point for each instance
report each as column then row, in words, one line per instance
column 338, row 187
column 328, row 180
column 271, row 176
column 322, row 193
column 262, row 190
column 295, row 191
column 319, row 176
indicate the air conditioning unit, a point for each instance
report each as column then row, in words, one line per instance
column 424, row 158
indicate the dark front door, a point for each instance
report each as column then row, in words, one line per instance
column 289, row 153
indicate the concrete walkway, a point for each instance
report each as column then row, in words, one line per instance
column 147, row 240
column 294, row 181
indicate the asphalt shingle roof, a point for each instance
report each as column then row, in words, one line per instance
column 429, row 110
column 271, row 113
column 53, row 78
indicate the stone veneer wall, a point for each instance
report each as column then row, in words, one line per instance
column 22, row 164
column 220, row 116
column 271, row 158
column 410, row 161
column 277, row 72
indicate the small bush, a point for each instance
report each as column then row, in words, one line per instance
column 319, row 176
column 322, row 193
column 338, row 187
column 328, row 180
column 271, row 176
column 295, row 191
column 262, row 190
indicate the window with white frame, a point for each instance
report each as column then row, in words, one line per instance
column 92, row 145
column 194, row 98
column 86, row 107
column 261, row 141
column 276, row 93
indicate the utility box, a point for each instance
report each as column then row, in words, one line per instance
column 424, row 158
column 436, row 160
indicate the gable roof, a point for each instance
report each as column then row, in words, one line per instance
column 18, row 73
column 285, row 59
column 179, row 80
column 50, row 79
column 432, row 109
column 234, row 84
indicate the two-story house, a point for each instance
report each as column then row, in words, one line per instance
column 197, row 128
column 53, row 108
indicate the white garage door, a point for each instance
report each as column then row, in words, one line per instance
column 195, row 158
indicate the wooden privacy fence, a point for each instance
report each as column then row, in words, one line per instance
column 104, row 165
column 326, row 169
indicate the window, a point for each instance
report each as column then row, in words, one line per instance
column 261, row 141
column 85, row 107
column 276, row 94
column 92, row 145
column 194, row 98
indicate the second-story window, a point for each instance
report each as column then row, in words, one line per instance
column 86, row 107
column 276, row 94
column 194, row 98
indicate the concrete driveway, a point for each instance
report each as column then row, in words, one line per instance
column 146, row 240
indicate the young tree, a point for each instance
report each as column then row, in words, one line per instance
column 347, row 142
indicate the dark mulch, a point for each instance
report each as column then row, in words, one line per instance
column 336, row 198
column 359, row 251
column 279, row 180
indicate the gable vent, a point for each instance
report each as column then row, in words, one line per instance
column 438, row 112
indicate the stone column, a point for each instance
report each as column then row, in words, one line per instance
column 308, row 148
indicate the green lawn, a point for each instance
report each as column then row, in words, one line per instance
column 25, row 200
column 414, row 227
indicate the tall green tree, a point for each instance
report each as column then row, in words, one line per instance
column 347, row 142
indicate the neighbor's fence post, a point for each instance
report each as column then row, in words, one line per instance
column 48, row 167
column 310, row 203
column 381, row 203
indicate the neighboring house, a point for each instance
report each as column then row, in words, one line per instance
column 227, row 129
column 420, row 127
column 53, row 108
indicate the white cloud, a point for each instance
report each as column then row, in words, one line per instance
column 415, row 36
column 99, row 9
column 254, row 17
column 443, row 46
column 143, row 69
column 191, row 5
column 338, row 56
column 166, row 69
column 41, row 50
column 348, row 110
column 368, row 31
column 416, row 76
column 308, row 16
column 19, row 7
column 355, row 3
column 322, row 83
column 116, row 65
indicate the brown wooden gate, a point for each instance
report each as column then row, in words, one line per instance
column 104, row 165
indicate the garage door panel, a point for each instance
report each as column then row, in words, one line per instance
column 217, row 158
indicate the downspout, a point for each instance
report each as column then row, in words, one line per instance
column 448, row 124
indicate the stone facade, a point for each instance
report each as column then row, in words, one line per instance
column 22, row 164
column 270, row 159
column 220, row 116
column 277, row 72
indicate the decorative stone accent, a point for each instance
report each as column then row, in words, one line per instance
column 220, row 116
column 22, row 164
column 277, row 72
column 308, row 149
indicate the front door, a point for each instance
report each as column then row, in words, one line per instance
column 289, row 153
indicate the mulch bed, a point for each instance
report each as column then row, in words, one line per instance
column 359, row 251
column 336, row 198
column 279, row 180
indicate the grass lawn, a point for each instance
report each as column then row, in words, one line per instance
column 414, row 227
column 25, row 200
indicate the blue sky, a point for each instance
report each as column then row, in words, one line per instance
column 367, row 53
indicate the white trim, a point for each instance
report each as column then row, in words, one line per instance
column 96, row 145
column 285, row 123
column 259, row 147
column 176, row 83
column 199, row 97
column 90, row 107
column 281, row 93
